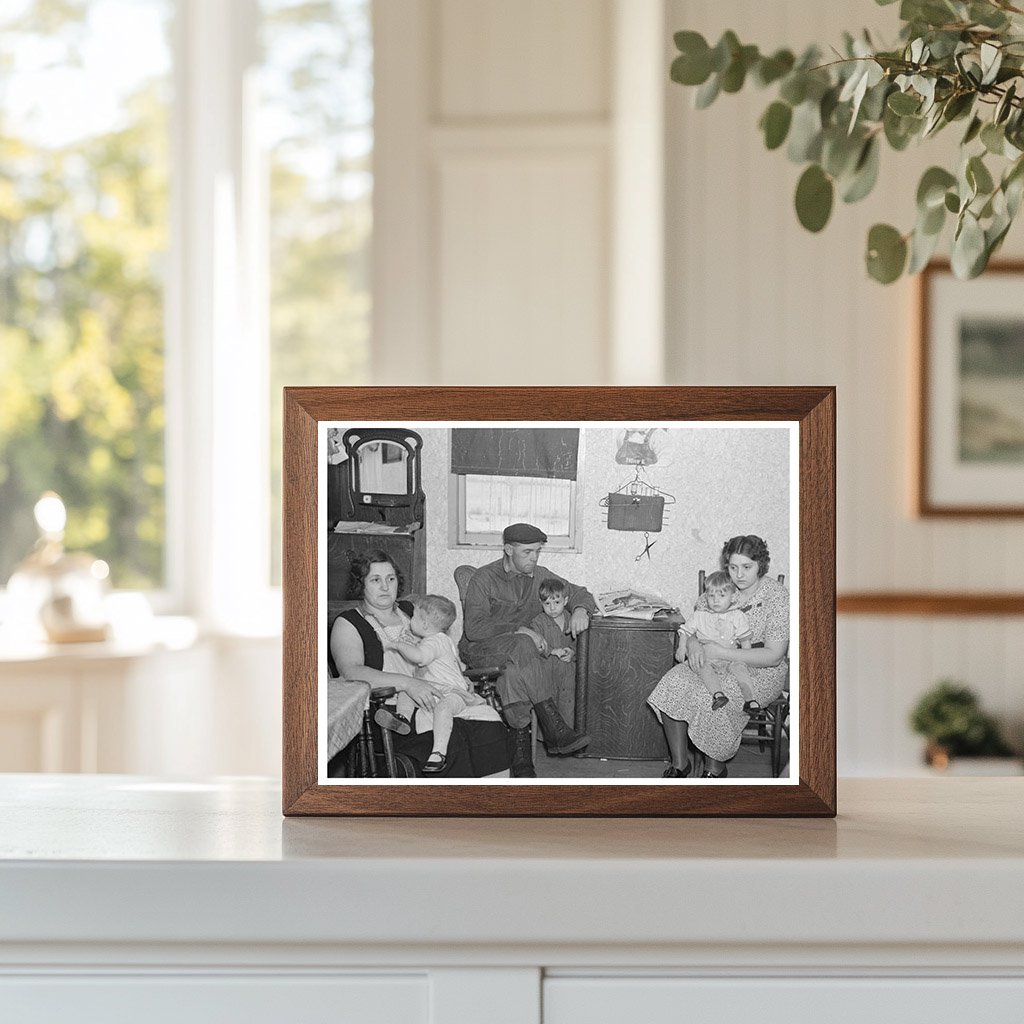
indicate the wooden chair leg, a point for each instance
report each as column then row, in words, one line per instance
column 389, row 753
column 778, row 734
column 366, row 743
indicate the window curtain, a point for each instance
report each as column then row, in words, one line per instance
column 529, row 451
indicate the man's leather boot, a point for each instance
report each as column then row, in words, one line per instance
column 558, row 737
column 522, row 753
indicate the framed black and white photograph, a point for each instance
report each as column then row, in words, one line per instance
column 511, row 601
column 970, row 452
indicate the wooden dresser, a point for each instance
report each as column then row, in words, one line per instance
column 126, row 898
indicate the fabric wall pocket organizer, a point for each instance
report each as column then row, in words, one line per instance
column 638, row 512
column 637, row 506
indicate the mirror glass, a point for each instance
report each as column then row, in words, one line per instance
column 382, row 467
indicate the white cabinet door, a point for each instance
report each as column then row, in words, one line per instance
column 570, row 1000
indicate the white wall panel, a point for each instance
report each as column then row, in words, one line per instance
column 493, row 202
column 753, row 298
column 522, row 283
column 531, row 58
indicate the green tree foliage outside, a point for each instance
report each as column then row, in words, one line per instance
column 82, row 233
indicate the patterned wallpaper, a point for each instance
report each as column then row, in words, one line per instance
column 726, row 482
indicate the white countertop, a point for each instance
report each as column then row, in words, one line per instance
column 125, row 859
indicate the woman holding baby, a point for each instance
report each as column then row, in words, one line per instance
column 364, row 645
column 681, row 699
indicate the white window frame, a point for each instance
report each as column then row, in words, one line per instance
column 460, row 537
column 216, row 327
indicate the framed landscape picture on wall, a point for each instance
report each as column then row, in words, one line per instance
column 970, row 450
column 517, row 601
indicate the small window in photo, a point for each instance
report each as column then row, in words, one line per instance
column 503, row 475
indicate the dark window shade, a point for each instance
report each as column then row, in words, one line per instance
column 528, row 451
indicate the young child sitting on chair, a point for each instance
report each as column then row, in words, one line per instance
column 433, row 652
column 553, row 623
column 725, row 626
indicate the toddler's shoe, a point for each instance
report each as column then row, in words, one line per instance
column 392, row 721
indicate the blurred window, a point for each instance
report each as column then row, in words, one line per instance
column 86, row 117
column 83, row 241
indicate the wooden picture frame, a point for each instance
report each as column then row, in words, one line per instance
column 970, row 382
column 805, row 415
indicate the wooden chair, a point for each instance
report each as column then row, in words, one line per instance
column 484, row 679
column 372, row 754
column 767, row 726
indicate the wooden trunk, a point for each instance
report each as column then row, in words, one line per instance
column 619, row 662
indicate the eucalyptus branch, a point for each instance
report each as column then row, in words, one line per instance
column 833, row 117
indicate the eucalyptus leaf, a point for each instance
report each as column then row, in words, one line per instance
column 994, row 235
column 902, row 103
column 827, row 106
column 886, row 253
column 805, row 133
column 931, row 190
column 775, row 124
column 931, row 12
column 1013, row 191
column 978, row 176
column 707, row 93
column 993, row 138
column 794, row 88
column 693, row 65
column 724, row 51
column 839, row 152
column 925, row 88
column 1004, row 106
column 991, row 60
column 968, row 247
column 922, row 248
column 814, row 195
column 932, row 221
column 952, row 202
column 987, row 15
column 958, row 105
column 873, row 106
column 973, row 129
column 858, row 77
column 944, row 44
column 1013, row 187
column 735, row 74
column 933, row 122
column 900, row 130
column 771, row 69
column 865, row 174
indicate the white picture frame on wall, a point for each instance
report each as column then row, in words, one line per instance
column 970, row 417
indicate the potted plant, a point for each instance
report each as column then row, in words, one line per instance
column 950, row 717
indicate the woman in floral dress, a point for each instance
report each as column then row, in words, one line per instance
column 682, row 702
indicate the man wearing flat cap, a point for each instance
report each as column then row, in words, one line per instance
column 502, row 600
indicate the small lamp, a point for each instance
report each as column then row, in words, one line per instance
column 62, row 593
